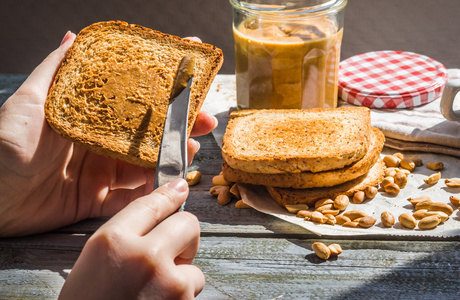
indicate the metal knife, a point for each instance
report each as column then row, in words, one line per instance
column 172, row 157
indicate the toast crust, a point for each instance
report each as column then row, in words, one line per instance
column 293, row 141
column 111, row 92
column 286, row 196
column 304, row 180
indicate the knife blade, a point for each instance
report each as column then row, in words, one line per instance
column 172, row 157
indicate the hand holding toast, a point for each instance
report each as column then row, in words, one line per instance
column 47, row 182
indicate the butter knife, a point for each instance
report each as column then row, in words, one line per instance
column 172, row 157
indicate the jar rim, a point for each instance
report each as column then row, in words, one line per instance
column 289, row 9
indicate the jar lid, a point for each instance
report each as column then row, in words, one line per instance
column 391, row 79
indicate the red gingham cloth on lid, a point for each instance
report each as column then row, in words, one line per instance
column 390, row 79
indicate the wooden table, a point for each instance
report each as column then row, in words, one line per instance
column 245, row 254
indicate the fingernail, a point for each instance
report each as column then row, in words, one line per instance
column 197, row 145
column 180, row 185
column 66, row 37
column 216, row 122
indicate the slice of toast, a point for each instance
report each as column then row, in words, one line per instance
column 290, row 141
column 111, row 93
column 304, row 180
column 285, row 196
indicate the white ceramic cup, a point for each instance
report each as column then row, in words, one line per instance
column 447, row 101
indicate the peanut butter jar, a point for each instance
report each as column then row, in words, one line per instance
column 287, row 53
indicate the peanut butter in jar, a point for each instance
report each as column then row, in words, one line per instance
column 287, row 62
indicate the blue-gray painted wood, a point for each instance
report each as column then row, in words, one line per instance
column 245, row 254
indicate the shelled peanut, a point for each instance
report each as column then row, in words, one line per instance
column 428, row 213
column 225, row 191
column 325, row 252
column 452, row 182
column 387, row 219
column 193, row 178
column 398, row 168
column 327, row 211
column 368, row 193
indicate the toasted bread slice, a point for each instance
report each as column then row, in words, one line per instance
column 290, row 141
column 304, row 180
column 285, row 196
column 112, row 90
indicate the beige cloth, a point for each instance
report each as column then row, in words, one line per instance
column 421, row 128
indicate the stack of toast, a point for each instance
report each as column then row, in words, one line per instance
column 301, row 156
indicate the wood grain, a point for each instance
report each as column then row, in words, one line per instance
column 245, row 254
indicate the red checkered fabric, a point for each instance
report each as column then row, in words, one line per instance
column 390, row 79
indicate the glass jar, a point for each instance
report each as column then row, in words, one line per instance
column 287, row 53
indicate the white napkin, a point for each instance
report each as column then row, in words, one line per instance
column 421, row 128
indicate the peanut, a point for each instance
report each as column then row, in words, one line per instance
column 441, row 214
column 416, row 160
column 333, row 212
column 235, row 191
column 336, row 249
column 390, row 172
column 386, row 181
column 425, row 204
column 391, row 161
column 367, row 222
column 387, row 219
column 220, row 180
column 295, row 208
column 342, row 219
column 305, row 214
column 401, row 179
column 414, row 201
column 354, row 214
column 321, row 250
column 406, row 172
column 358, row 219
column 370, row 191
column 433, row 178
column 341, row 202
column 216, row 190
column 318, row 217
column 435, row 165
column 399, row 155
column 241, row 204
column 224, row 196
column 392, row 189
column 407, row 220
column 322, row 202
column 324, row 207
column 193, row 177
column 330, row 219
column 429, row 222
column 407, row 164
column 440, row 206
column 359, row 197
column 452, row 182
column 351, row 224
column 454, row 200
column 420, row 214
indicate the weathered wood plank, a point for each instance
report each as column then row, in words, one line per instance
column 250, row 269
column 261, row 268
